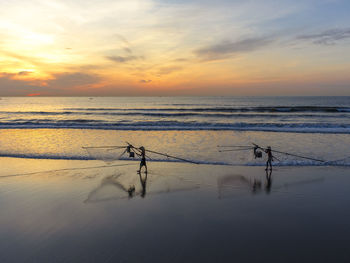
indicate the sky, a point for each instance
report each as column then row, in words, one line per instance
column 174, row 48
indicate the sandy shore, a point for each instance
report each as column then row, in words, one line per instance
column 80, row 211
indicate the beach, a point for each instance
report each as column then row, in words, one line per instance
column 188, row 213
column 70, row 191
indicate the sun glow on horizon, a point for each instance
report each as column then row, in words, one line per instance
column 168, row 48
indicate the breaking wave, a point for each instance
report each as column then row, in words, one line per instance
column 175, row 125
column 299, row 115
column 173, row 114
column 343, row 162
column 229, row 109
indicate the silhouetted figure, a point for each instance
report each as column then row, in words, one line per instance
column 143, row 159
column 268, row 181
column 269, row 158
column 143, row 181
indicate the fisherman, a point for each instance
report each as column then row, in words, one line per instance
column 269, row 158
column 143, row 159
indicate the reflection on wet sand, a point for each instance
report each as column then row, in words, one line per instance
column 230, row 184
column 233, row 185
column 127, row 186
column 143, row 181
column 268, row 182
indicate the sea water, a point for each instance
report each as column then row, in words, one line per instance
column 187, row 127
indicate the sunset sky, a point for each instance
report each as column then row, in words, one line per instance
column 168, row 47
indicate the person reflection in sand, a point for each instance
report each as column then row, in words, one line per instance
column 143, row 181
column 131, row 191
column 126, row 186
column 255, row 185
column 114, row 181
column 231, row 184
column 268, row 183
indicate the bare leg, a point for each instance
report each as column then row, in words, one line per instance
column 139, row 171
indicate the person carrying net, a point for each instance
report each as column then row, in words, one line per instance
column 268, row 151
column 143, row 159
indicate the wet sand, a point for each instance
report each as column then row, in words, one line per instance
column 179, row 213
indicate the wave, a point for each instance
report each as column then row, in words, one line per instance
column 41, row 112
column 302, row 163
column 45, row 156
column 228, row 109
column 345, row 162
column 176, row 125
column 180, row 114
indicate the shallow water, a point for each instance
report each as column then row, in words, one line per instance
column 198, row 146
column 189, row 213
column 187, row 127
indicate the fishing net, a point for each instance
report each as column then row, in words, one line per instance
column 110, row 154
column 258, row 156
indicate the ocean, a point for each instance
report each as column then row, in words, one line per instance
column 278, row 114
column 189, row 127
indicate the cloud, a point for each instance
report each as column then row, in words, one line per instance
column 168, row 70
column 145, row 81
column 126, row 45
column 122, row 39
column 60, row 84
column 71, row 80
column 23, row 58
column 10, row 85
column 181, row 60
column 24, row 73
column 328, row 37
column 125, row 59
column 226, row 49
column 127, row 49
